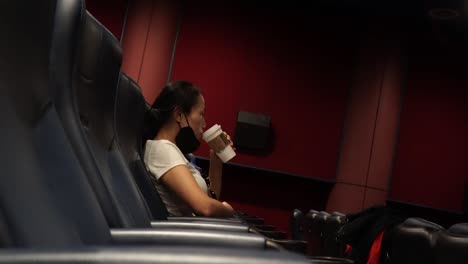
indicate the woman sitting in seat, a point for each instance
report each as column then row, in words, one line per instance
column 179, row 120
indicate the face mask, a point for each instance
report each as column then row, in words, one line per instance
column 186, row 140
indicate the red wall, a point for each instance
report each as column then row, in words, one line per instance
column 431, row 163
column 148, row 30
column 148, row 43
column 111, row 13
column 275, row 61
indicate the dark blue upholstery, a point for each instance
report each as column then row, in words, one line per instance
column 98, row 73
column 46, row 200
column 129, row 113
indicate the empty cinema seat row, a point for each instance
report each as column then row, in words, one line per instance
column 320, row 230
column 414, row 240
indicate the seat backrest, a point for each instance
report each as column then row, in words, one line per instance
column 129, row 112
column 96, row 87
column 45, row 199
column 320, row 220
column 148, row 129
column 129, row 116
column 452, row 245
column 413, row 241
column 295, row 224
column 312, row 233
column 459, row 229
column 30, row 215
column 332, row 246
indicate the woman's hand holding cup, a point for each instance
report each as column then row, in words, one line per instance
column 220, row 143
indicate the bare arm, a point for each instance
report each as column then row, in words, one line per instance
column 215, row 173
column 180, row 181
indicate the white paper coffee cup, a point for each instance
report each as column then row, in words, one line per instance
column 218, row 142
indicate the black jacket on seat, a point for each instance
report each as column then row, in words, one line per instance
column 363, row 227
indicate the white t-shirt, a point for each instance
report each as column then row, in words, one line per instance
column 161, row 156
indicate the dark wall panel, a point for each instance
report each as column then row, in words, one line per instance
column 431, row 162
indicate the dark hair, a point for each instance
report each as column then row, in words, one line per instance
column 177, row 94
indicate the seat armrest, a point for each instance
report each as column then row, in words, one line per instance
column 298, row 246
column 273, row 234
column 254, row 220
column 148, row 255
column 330, row 260
column 170, row 237
column 204, row 219
column 264, row 227
column 214, row 226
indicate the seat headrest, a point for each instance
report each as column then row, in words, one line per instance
column 417, row 229
column 297, row 214
column 38, row 52
column 338, row 213
column 322, row 218
column 421, row 223
column 149, row 126
column 459, row 229
column 336, row 220
column 413, row 241
column 311, row 215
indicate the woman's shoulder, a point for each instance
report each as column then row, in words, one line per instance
column 164, row 147
column 160, row 142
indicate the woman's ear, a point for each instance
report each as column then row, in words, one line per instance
column 178, row 116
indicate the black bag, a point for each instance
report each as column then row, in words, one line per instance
column 363, row 228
